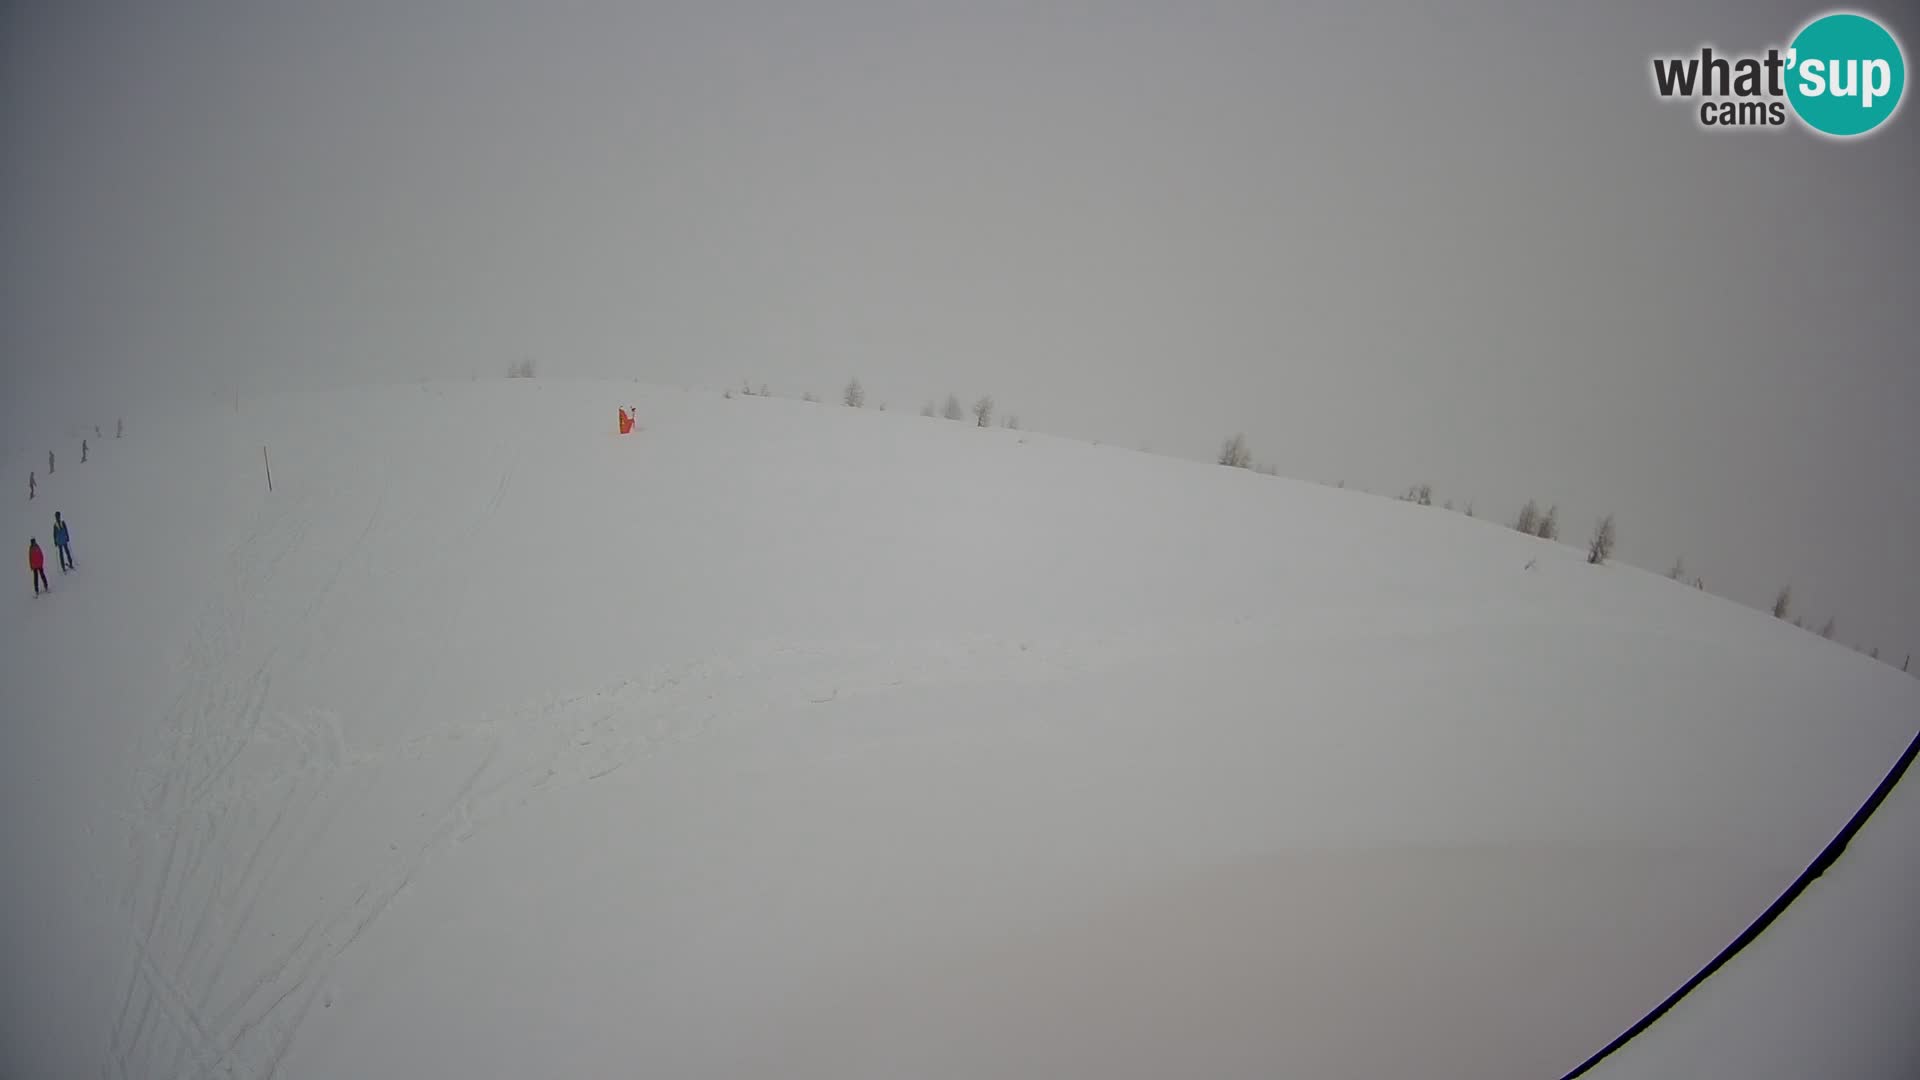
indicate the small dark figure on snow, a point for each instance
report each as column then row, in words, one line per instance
column 37, row 562
column 49, row 463
column 118, row 427
column 96, row 431
column 32, row 486
column 63, row 540
column 83, row 451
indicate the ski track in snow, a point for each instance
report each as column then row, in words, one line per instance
column 243, row 793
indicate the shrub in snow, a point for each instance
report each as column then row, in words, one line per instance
column 954, row 411
column 1529, row 519
column 521, row 370
column 929, row 410
column 1782, row 602
column 983, row 412
column 1234, row 453
column 854, row 396
column 1549, row 524
column 1601, row 549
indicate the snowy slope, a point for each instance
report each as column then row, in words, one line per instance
column 782, row 739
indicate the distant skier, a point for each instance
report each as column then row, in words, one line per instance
column 32, row 486
column 63, row 540
column 49, row 463
column 37, row 562
column 83, row 451
column 119, row 426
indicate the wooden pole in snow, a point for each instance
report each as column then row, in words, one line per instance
column 269, row 464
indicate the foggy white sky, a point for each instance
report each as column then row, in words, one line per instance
column 1451, row 242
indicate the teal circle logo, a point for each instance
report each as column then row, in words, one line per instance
column 1846, row 74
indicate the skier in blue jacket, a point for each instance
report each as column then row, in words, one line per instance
column 61, row 539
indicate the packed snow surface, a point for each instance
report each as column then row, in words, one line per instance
column 788, row 740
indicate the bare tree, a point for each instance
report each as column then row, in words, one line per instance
column 1013, row 423
column 1549, row 528
column 1601, row 549
column 1781, row 602
column 1826, row 631
column 746, row 388
column 1678, row 570
column 764, row 392
column 953, row 410
column 1529, row 519
column 929, row 410
column 1448, row 505
column 1470, row 508
column 808, row 397
column 1875, row 653
column 1234, row 452
column 854, row 396
column 983, row 411
column 521, row 370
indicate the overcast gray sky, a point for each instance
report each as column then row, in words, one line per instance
column 1457, row 242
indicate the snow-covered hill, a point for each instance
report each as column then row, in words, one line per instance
column 781, row 739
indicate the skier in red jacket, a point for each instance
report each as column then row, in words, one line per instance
column 37, row 562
